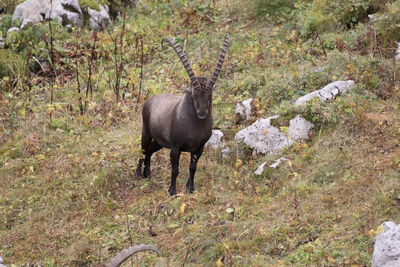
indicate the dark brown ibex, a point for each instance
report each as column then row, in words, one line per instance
column 182, row 124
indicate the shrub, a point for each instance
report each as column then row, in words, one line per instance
column 274, row 8
column 11, row 64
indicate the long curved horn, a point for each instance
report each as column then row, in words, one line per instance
column 182, row 56
column 218, row 67
column 126, row 253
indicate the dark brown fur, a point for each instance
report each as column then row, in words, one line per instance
column 182, row 124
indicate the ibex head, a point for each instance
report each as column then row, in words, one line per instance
column 200, row 88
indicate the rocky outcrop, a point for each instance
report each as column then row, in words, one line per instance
column 68, row 12
column 328, row 92
column 99, row 19
column 264, row 138
column 32, row 11
column 387, row 246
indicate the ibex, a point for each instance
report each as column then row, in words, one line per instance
column 182, row 124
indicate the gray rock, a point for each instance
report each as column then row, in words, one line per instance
column 215, row 141
column 387, row 246
column 225, row 152
column 27, row 22
column 373, row 18
column 99, row 19
column 277, row 163
column 244, row 109
column 262, row 137
column 397, row 52
column 260, row 169
column 299, row 128
column 1, row 262
column 328, row 92
column 32, row 11
column 12, row 29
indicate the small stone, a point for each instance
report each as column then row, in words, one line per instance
column 260, row 169
column 225, row 152
column 299, row 128
column 12, row 29
column 277, row 162
column 373, row 18
column 215, row 141
column 244, row 109
column 397, row 52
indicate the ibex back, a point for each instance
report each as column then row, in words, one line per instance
column 182, row 124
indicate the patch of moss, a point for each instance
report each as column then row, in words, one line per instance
column 90, row 4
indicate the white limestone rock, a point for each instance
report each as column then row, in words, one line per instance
column 387, row 246
column 328, row 92
column 215, row 141
column 32, row 11
column 274, row 165
column 260, row 169
column 1, row 262
column 99, row 19
column 262, row 137
column 397, row 52
column 244, row 109
column 12, row 29
column 225, row 152
column 277, row 162
column 300, row 128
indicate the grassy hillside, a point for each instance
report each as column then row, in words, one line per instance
column 70, row 137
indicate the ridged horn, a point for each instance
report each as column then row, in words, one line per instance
column 218, row 67
column 126, row 253
column 182, row 56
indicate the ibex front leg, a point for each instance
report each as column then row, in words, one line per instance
column 174, row 157
column 194, row 157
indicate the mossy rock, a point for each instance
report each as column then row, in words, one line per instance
column 11, row 64
column 93, row 4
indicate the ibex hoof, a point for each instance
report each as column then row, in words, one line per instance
column 172, row 191
column 146, row 173
column 189, row 188
column 139, row 173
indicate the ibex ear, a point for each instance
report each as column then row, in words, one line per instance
column 218, row 67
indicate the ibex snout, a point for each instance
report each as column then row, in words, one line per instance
column 202, row 114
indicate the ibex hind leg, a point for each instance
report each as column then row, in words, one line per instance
column 146, row 142
column 154, row 147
